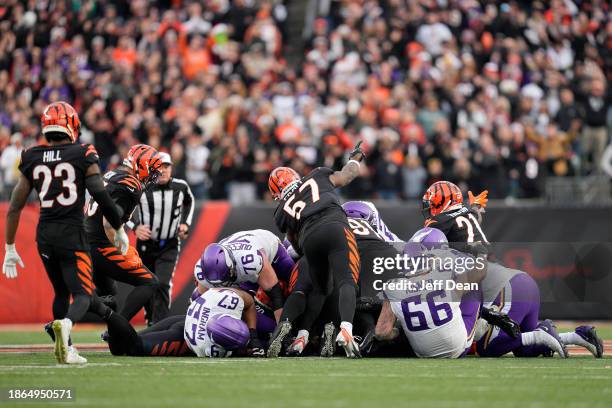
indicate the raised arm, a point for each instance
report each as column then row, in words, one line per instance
column 350, row 170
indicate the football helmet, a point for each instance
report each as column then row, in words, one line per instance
column 61, row 117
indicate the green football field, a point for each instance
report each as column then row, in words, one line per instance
column 580, row 381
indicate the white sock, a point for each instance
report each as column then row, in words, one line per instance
column 303, row 333
column 573, row 338
column 528, row 338
column 347, row 326
column 481, row 329
column 69, row 323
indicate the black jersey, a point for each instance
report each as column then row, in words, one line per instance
column 460, row 226
column 57, row 173
column 310, row 201
column 125, row 190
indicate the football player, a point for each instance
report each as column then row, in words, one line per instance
column 301, row 303
column 139, row 169
column 220, row 321
column 444, row 209
column 248, row 259
column 367, row 211
column 535, row 338
column 60, row 171
column 309, row 212
column 438, row 321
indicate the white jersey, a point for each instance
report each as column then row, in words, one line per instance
column 213, row 302
column 429, row 309
column 247, row 248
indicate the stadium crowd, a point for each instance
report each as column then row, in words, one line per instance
column 489, row 95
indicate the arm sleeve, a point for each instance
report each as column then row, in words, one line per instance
column 188, row 204
column 112, row 212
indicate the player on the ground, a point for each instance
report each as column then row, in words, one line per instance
column 310, row 214
column 60, row 172
column 444, row 210
column 535, row 339
column 439, row 321
column 220, row 321
column 125, row 185
column 247, row 259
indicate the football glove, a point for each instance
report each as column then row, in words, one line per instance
column 122, row 242
column 357, row 153
column 11, row 259
column 255, row 348
column 132, row 258
column 481, row 199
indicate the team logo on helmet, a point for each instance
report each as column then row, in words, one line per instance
column 440, row 197
column 61, row 117
column 280, row 178
column 145, row 162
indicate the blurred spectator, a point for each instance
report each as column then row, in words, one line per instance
column 9, row 162
column 436, row 90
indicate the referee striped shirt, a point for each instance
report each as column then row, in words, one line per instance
column 164, row 207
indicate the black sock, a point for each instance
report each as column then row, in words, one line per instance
column 122, row 338
column 314, row 305
column 61, row 304
column 347, row 301
column 293, row 307
column 78, row 308
column 136, row 299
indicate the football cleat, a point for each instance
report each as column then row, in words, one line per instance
column 348, row 343
column 367, row 343
column 61, row 330
column 593, row 343
column 278, row 336
column 546, row 334
column 328, row 346
column 298, row 345
column 73, row 356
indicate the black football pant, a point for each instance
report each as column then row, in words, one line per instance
column 110, row 266
column 70, row 273
column 333, row 264
column 165, row 338
column 161, row 260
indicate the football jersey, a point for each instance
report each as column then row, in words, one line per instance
column 308, row 202
column 363, row 231
column 57, row 173
column 125, row 190
column 213, row 302
column 247, row 248
column 379, row 225
column 460, row 227
column 431, row 316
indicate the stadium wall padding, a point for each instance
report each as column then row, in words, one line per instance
column 568, row 252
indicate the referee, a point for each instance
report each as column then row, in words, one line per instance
column 163, row 218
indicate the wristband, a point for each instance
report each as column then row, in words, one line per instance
column 355, row 161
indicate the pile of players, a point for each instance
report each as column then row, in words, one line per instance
column 258, row 296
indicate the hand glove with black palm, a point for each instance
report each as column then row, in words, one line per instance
column 357, row 154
